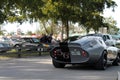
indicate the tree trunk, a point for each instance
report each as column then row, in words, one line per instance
column 87, row 30
column 45, row 27
column 52, row 27
column 67, row 29
column 62, row 32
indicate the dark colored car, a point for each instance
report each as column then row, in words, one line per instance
column 4, row 47
column 41, row 46
column 89, row 50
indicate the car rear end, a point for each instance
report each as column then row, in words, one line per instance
column 69, row 53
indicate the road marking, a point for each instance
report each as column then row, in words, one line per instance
column 118, row 78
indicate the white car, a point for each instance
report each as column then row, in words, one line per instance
column 106, row 37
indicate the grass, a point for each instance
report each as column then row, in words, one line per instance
column 14, row 54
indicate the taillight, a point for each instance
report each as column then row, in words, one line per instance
column 84, row 54
column 56, row 52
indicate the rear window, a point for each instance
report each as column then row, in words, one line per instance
column 83, row 40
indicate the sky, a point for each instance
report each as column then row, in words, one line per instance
column 25, row 27
column 34, row 26
column 115, row 14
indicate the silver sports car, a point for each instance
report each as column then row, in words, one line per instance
column 90, row 50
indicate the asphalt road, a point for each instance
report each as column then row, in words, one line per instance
column 41, row 68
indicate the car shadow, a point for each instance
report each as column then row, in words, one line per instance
column 83, row 67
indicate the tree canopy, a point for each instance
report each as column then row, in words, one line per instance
column 85, row 12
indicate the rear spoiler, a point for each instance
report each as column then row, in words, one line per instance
column 69, row 44
column 65, row 46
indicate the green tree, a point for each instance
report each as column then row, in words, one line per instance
column 110, row 23
column 85, row 12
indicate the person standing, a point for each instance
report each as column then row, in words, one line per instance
column 50, row 38
column 43, row 39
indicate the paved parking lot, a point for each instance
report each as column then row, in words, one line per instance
column 41, row 68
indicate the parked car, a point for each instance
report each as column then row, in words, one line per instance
column 12, row 41
column 105, row 37
column 42, row 46
column 89, row 50
column 27, row 46
column 31, row 39
column 20, row 44
column 4, row 47
column 15, row 42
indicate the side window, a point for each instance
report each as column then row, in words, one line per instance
column 104, row 37
column 108, row 37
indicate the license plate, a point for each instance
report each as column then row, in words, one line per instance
column 75, row 52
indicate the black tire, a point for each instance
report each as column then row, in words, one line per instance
column 58, row 65
column 102, row 63
column 116, row 61
column 17, row 48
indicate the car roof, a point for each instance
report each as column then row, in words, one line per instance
column 96, row 34
column 86, row 39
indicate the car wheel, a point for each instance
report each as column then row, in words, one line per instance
column 17, row 48
column 116, row 61
column 102, row 63
column 58, row 65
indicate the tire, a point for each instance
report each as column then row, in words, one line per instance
column 102, row 63
column 17, row 48
column 116, row 61
column 58, row 65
